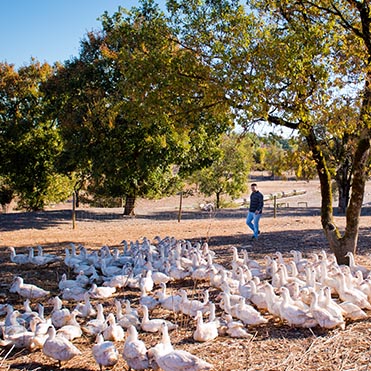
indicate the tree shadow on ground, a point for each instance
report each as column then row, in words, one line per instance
column 52, row 218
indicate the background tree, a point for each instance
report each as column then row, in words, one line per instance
column 333, row 41
column 228, row 174
column 29, row 139
column 299, row 159
column 136, row 104
column 285, row 63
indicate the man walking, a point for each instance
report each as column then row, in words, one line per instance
column 255, row 210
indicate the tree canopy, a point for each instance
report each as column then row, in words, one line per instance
column 136, row 109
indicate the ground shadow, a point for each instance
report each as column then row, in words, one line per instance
column 53, row 218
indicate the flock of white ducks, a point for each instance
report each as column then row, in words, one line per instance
column 302, row 292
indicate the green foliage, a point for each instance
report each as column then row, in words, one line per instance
column 134, row 105
column 6, row 192
column 227, row 175
column 29, row 140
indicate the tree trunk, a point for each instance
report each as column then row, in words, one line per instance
column 337, row 244
column 218, row 199
column 343, row 182
column 129, row 208
column 340, row 245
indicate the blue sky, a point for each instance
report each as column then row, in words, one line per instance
column 49, row 30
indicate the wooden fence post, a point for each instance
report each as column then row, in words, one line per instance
column 180, row 206
column 73, row 210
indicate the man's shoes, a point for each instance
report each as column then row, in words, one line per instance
column 258, row 232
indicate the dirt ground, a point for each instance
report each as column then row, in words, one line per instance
column 294, row 225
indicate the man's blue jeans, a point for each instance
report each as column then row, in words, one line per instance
column 252, row 221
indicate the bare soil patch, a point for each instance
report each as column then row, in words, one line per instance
column 275, row 346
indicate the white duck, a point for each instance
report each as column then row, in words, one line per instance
column 273, row 300
column 146, row 282
column 39, row 260
column 104, row 352
column 40, row 333
column 76, row 293
column 160, row 277
column 28, row 313
column 101, row 292
column 135, row 351
column 328, row 303
column 110, row 270
column 190, row 307
column 18, row 339
column 236, row 329
column 169, row 302
column 49, row 258
column 85, row 309
column 114, row 332
column 59, row 315
column 118, row 281
column 258, row 297
column 154, row 325
column 149, row 301
column 72, row 329
column 66, row 283
column 205, row 331
column 353, row 295
column 96, row 325
column 11, row 324
column 225, row 304
column 248, row 314
column 356, row 267
column 72, row 259
column 17, row 258
column 294, row 315
column 59, row 348
column 178, row 360
column 352, row 311
column 129, row 318
column 27, row 290
column 324, row 318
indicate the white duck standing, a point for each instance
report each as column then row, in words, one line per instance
column 130, row 317
column 294, row 315
column 356, row 267
column 135, row 351
column 104, row 352
column 324, row 318
column 352, row 294
column 27, row 290
column 59, row 315
column 59, row 348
